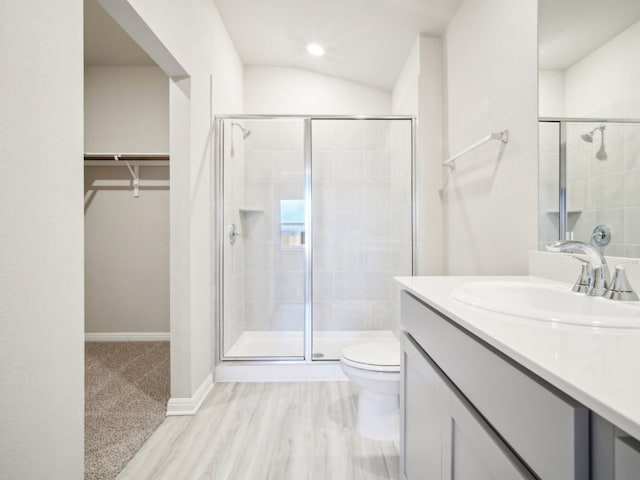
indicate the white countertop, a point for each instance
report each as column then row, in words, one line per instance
column 599, row 367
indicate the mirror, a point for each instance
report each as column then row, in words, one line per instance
column 589, row 130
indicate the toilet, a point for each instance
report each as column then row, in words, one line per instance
column 375, row 368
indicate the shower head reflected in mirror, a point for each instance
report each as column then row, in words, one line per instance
column 245, row 131
column 588, row 137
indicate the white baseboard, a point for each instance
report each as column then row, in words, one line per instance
column 127, row 337
column 293, row 372
column 190, row 405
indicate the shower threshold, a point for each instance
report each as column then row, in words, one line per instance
column 327, row 344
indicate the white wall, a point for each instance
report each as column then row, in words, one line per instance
column 284, row 90
column 491, row 200
column 126, row 109
column 429, row 170
column 41, row 250
column 551, row 93
column 606, row 83
column 418, row 91
column 126, row 238
column 405, row 93
column 190, row 43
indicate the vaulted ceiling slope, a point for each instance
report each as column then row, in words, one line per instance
column 569, row 30
column 366, row 41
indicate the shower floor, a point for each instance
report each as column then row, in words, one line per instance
column 327, row 345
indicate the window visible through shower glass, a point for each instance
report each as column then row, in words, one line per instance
column 292, row 223
column 263, row 282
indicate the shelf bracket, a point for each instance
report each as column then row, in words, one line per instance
column 135, row 175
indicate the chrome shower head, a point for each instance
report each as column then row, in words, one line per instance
column 245, row 132
column 588, row 137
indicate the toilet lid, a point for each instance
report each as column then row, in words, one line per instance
column 376, row 356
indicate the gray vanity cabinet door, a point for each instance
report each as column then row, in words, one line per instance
column 443, row 437
column 627, row 458
column 421, row 416
column 472, row 450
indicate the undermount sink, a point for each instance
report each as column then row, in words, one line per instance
column 550, row 302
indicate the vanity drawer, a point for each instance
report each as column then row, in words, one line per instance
column 547, row 429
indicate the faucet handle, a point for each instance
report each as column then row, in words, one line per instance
column 584, row 283
column 620, row 288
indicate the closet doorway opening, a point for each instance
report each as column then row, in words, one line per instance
column 126, row 193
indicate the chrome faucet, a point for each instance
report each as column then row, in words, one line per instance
column 596, row 277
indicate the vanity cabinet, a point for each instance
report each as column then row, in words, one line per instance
column 470, row 413
column 444, row 437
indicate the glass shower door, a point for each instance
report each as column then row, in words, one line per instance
column 263, row 308
column 362, row 229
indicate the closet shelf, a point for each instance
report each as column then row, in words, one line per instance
column 133, row 161
column 136, row 159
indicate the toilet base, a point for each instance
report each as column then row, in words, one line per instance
column 378, row 415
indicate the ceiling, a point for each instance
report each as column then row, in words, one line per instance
column 571, row 29
column 365, row 40
column 105, row 43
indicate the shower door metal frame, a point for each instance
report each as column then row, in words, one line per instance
column 308, row 247
column 563, row 212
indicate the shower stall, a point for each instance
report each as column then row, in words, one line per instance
column 315, row 216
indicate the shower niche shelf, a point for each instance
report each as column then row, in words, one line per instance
column 251, row 210
column 570, row 212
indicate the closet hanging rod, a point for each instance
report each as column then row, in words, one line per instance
column 503, row 136
column 127, row 156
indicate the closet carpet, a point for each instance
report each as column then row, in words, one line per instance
column 126, row 394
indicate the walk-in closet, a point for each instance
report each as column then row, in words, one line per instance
column 126, row 208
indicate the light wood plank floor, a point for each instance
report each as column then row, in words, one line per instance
column 256, row 431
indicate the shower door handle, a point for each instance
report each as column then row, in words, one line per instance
column 233, row 233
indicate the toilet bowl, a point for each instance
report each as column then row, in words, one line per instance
column 375, row 368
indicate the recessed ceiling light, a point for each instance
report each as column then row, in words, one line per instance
column 315, row 49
